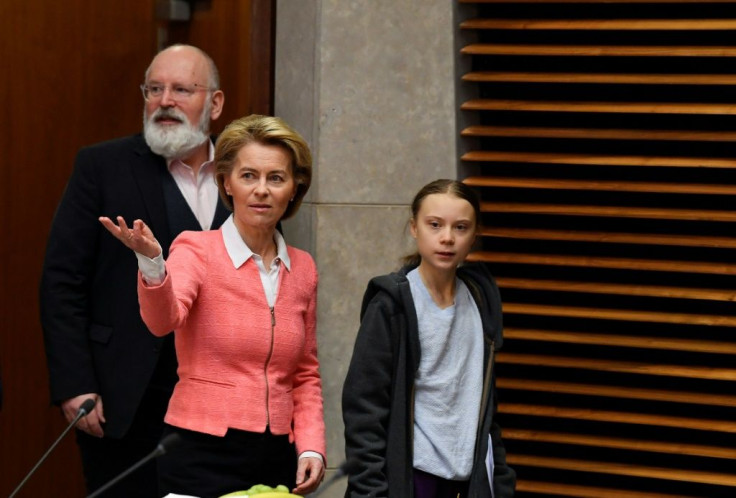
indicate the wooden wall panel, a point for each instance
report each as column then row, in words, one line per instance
column 235, row 31
column 72, row 71
column 71, row 83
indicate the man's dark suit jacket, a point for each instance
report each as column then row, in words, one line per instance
column 95, row 339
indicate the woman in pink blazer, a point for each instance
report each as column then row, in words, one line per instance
column 242, row 304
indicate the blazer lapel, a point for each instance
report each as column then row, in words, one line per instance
column 148, row 171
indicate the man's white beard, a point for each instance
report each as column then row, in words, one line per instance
column 175, row 141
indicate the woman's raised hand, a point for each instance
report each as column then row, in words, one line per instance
column 139, row 238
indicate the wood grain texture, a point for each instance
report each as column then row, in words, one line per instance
column 72, row 75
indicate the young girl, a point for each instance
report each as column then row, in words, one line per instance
column 419, row 398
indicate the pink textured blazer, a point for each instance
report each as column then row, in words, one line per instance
column 241, row 365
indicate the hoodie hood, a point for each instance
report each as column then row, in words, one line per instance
column 475, row 275
column 394, row 285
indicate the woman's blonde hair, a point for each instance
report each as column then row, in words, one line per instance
column 265, row 130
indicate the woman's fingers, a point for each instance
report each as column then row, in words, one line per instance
column 139, row 237
column 140, row 230
column 119, row 231
column 108, row 224
column 310, row 473
column 123, row 226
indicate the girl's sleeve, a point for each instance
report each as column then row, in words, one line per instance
column 366, row 399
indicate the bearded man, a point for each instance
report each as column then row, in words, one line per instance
column 96, row 344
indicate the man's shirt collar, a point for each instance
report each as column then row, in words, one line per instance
column 210, row 158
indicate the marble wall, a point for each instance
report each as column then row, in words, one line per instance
column 370, row 84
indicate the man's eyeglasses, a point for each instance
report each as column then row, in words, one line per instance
column 179, row 93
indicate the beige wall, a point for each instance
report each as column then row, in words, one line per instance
column 370, row 85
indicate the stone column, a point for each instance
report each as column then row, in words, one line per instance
column 371, row 86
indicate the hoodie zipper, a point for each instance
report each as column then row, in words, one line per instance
column 487, row 379
column 475, row 291
column 487, row 384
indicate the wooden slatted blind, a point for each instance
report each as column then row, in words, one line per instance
column 602, row 137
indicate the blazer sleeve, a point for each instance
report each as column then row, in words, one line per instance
column 309, row 425
column 366, row 402
column 165, row 307
column 66, row 280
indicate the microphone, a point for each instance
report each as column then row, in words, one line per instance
column 345, row 469
column 165, row 445
column 84, row 409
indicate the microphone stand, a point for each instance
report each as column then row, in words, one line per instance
column 83, row 411
column 165, row 444
column 345, row 469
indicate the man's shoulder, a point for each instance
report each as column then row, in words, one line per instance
column 117, row 145
column 125, row 152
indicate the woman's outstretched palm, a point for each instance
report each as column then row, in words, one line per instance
column 139, row 238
